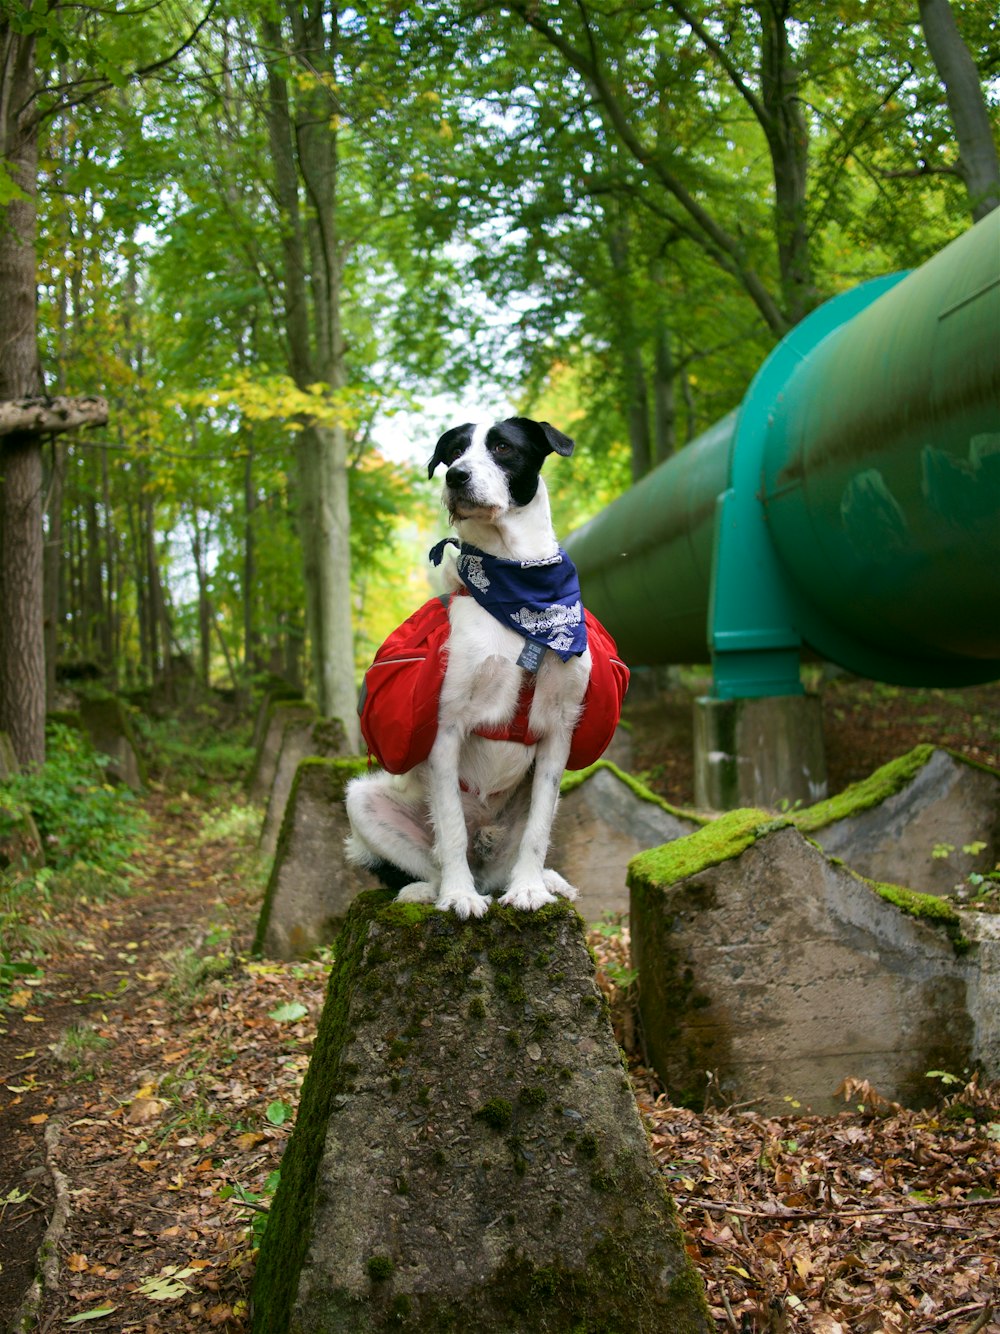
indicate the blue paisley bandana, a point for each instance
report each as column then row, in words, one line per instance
column 539, row 599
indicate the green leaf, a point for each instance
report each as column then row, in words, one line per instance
column 9, row 188
column 289, row 1013
column 278, row 1113
column 97, row 1313
column 166, row 1286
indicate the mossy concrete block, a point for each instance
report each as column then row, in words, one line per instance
column 312, row 885
column 20, row 841
column 780, row 972
column 605, row 818
column 106, row 722
column 281, row 712
column 467, row 1154
column 277, row 690
column 302, row 738
column 889, row 826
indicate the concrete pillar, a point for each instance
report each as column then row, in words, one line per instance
column 766, row 751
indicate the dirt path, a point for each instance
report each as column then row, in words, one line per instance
column 105, row 1123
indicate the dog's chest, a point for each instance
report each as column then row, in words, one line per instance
column 484, row 685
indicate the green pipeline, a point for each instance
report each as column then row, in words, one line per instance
column 849, row 508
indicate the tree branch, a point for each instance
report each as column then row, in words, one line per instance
column 47, row 416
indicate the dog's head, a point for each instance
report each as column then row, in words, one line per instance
column 493, row 468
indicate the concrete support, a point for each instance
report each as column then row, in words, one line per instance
column 766, row 752
column 467, row 1153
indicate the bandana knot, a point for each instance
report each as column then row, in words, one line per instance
column 540, row 599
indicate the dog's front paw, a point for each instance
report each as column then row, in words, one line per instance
column 421, row 891
column 464, row 903
column 527, row 898
column 555, row 884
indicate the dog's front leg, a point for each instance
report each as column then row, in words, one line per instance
column 527, row 888
column 458, row 889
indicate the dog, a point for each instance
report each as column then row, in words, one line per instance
column 473, row 821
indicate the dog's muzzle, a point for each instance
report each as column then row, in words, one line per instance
column 461, row 499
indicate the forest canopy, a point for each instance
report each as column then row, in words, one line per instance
column 287, row 243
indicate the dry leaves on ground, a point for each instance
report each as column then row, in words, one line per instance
column 165, row 1133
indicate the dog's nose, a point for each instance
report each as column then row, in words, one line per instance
column 457, row 476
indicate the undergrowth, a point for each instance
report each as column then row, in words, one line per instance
column 193, row 754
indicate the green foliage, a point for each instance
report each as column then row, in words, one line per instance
column 194, row 754
column 81, row 817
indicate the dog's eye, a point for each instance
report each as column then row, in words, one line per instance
column 500, row 447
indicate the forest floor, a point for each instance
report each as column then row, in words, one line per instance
column 148, row 1080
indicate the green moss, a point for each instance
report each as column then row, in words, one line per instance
column 725, row 838
column 532, row 1097
column 862, row 796
column 379, row 1268
column 573, row 779
column 285, row 1242
column 924, row 907
column 497, row 1113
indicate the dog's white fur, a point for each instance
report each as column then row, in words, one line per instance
column 474, row 819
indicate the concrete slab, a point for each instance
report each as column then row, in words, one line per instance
column 301, row 738
column 281, row 712
column 311, row 885
column 106, row 723
column 776, row 972
column 606, row 817
column 758, row 752
column 925, row 820
column 467, row 1154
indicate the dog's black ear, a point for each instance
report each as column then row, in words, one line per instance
column 558, row 442
column 457, row 435
column 545, row 436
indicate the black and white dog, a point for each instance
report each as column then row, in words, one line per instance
column 474, row 819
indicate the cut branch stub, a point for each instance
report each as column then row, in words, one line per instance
column 45, row 415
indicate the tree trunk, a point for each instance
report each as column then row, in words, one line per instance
column 303, row 142
column 53, row 569
column 664, row 396
column 251, row 647
column 205, row 616
column 788, row 140
column 22, row 641
column 978, row 162
column 633, row 372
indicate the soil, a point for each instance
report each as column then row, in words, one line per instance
column 148, row 1081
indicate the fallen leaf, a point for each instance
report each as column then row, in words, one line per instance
column 143, row 1110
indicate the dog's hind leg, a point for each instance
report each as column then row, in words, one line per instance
column 389, row 836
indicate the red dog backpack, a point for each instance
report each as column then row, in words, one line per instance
column 398, row 706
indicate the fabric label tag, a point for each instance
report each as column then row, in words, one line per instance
column 531, row 655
